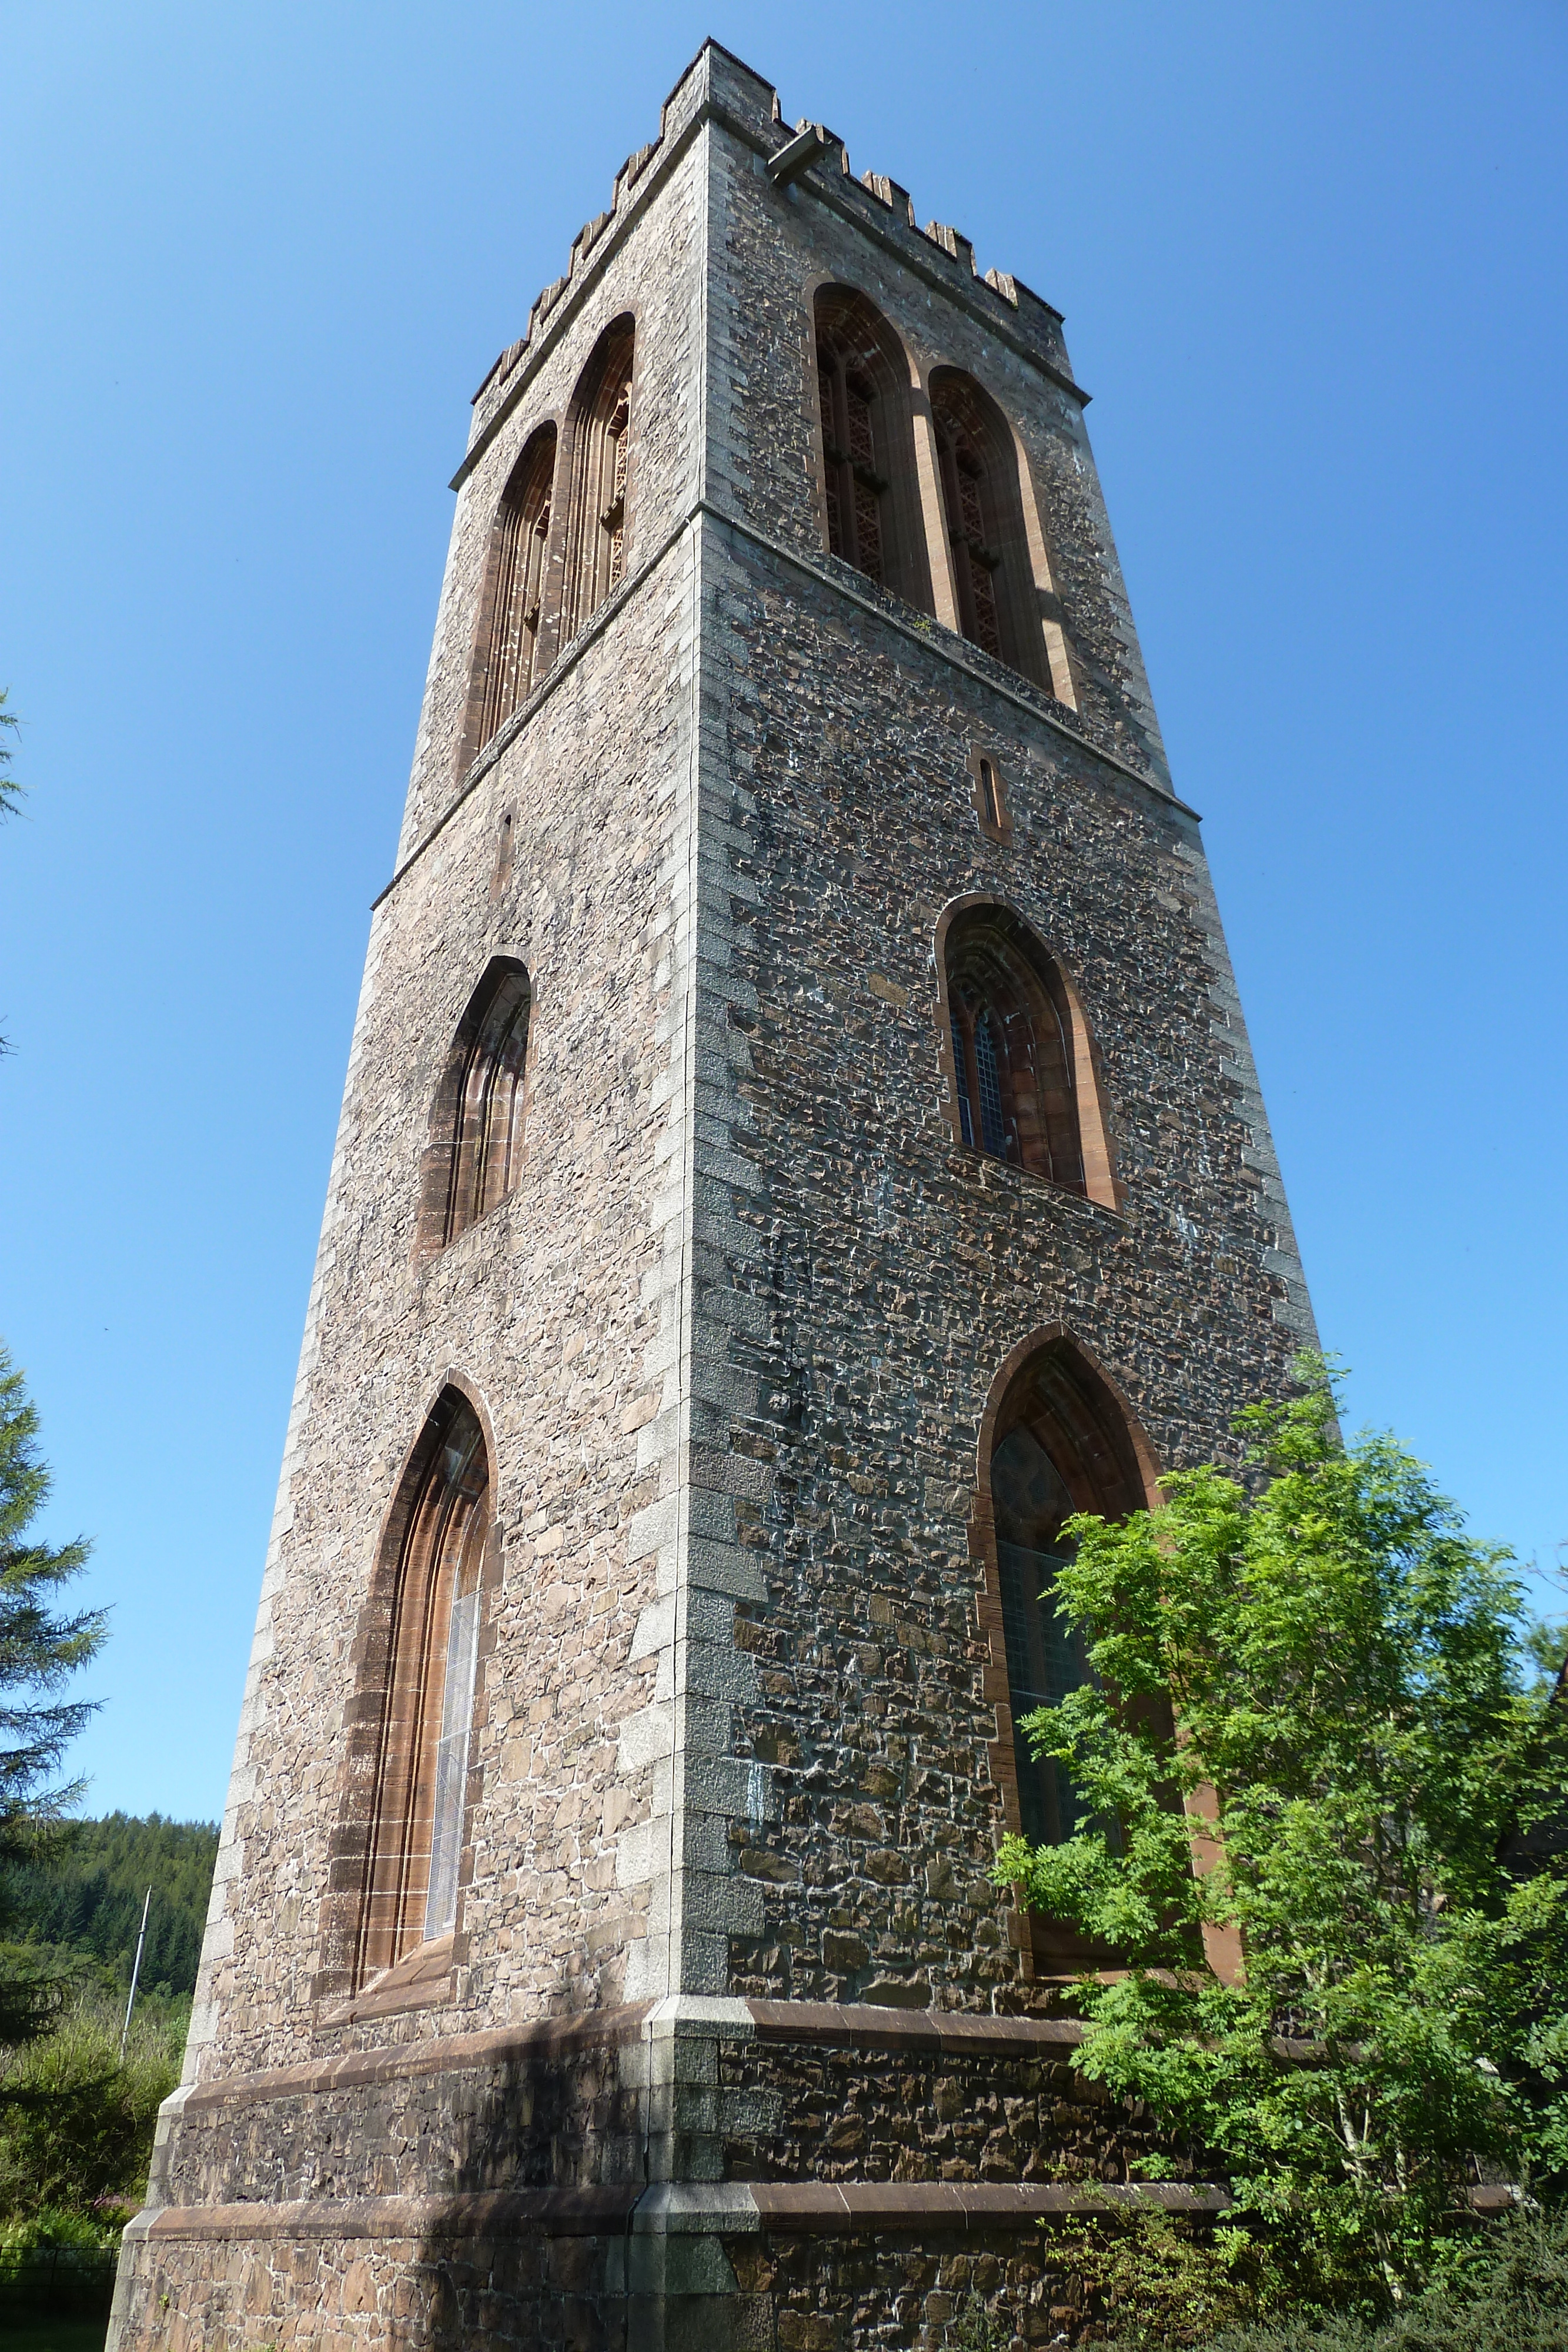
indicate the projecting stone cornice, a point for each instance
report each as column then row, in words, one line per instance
column 730, row 2208
column 837, row 2025
column 918, row 627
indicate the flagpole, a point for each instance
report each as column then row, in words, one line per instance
column 135, row 1972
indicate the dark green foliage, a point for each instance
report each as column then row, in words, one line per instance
column 54, row 2335
column 86, row 1899
column 1356, row 1690
column 1157, row 2281
column 977, row 2329
column 39, row 1652
column 1516, row 2302
column 76, row 2122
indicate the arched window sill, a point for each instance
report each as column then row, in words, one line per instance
column 968, row 1159
column 422, row 1980
column 444, row 1252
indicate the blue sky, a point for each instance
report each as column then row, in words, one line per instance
column 255, row 261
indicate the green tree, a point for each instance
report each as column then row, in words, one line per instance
column 10, row 791
column 77, row 2120
column 40, row 1650
column 84, row 1901
column 1356, row 1703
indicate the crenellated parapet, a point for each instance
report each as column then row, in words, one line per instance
column 718, row 87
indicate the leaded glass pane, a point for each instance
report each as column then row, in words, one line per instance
column 452, row 1764
column 961, row 1078
column 993, row 1125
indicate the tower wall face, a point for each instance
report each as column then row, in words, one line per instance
column 741, row 1749
column 548, row 1311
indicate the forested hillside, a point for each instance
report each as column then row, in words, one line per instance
column 88, row 1900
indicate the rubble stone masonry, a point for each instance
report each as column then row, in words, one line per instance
column 733, row 2036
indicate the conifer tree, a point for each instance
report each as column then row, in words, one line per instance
column 40, row 1649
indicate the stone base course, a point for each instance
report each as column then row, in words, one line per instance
column 515, row 2187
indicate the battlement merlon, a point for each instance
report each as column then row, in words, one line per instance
column 814, row 164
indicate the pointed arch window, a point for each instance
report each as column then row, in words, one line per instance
column 1024, row 1084
column 600, row 458
column 475, row 1153
column 1059, row 1445
column 869, row 486
column 431, row 1606
column 993, row 577
column 513, row 659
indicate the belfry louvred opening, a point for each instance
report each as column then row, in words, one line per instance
column 799, row 1144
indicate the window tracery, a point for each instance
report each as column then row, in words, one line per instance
column 1015, row 1079
column 1059, row 1445
column 415, row 1831
column 993, row 581
column 475, row 1154
column 869, row 496
column 601, row 412
column 514, row 660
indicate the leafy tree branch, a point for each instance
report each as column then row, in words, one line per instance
column 1341, row 1682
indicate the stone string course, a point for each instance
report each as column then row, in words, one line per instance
column 735, row 1786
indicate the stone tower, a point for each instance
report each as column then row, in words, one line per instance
column 799, row 1142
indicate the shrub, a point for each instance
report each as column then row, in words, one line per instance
column 76, row 2124
column 1514, row 2300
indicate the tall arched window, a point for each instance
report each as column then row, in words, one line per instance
column 432, row 1603
column 993, row 578
column 512, row 661
column 868, row 446
column 601, row 454
column 1023, row 1076
column 1059, row 1443
column 474, row 1152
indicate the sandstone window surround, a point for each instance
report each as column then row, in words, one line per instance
column 598, row 437
column 928, row 493
column 513, row 640
column 473, row 1156
column 414, row 1708
column 1056, row 1438
column 865, row 415
column 991, row 797
column 995, row 593
column 1023, row 1083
